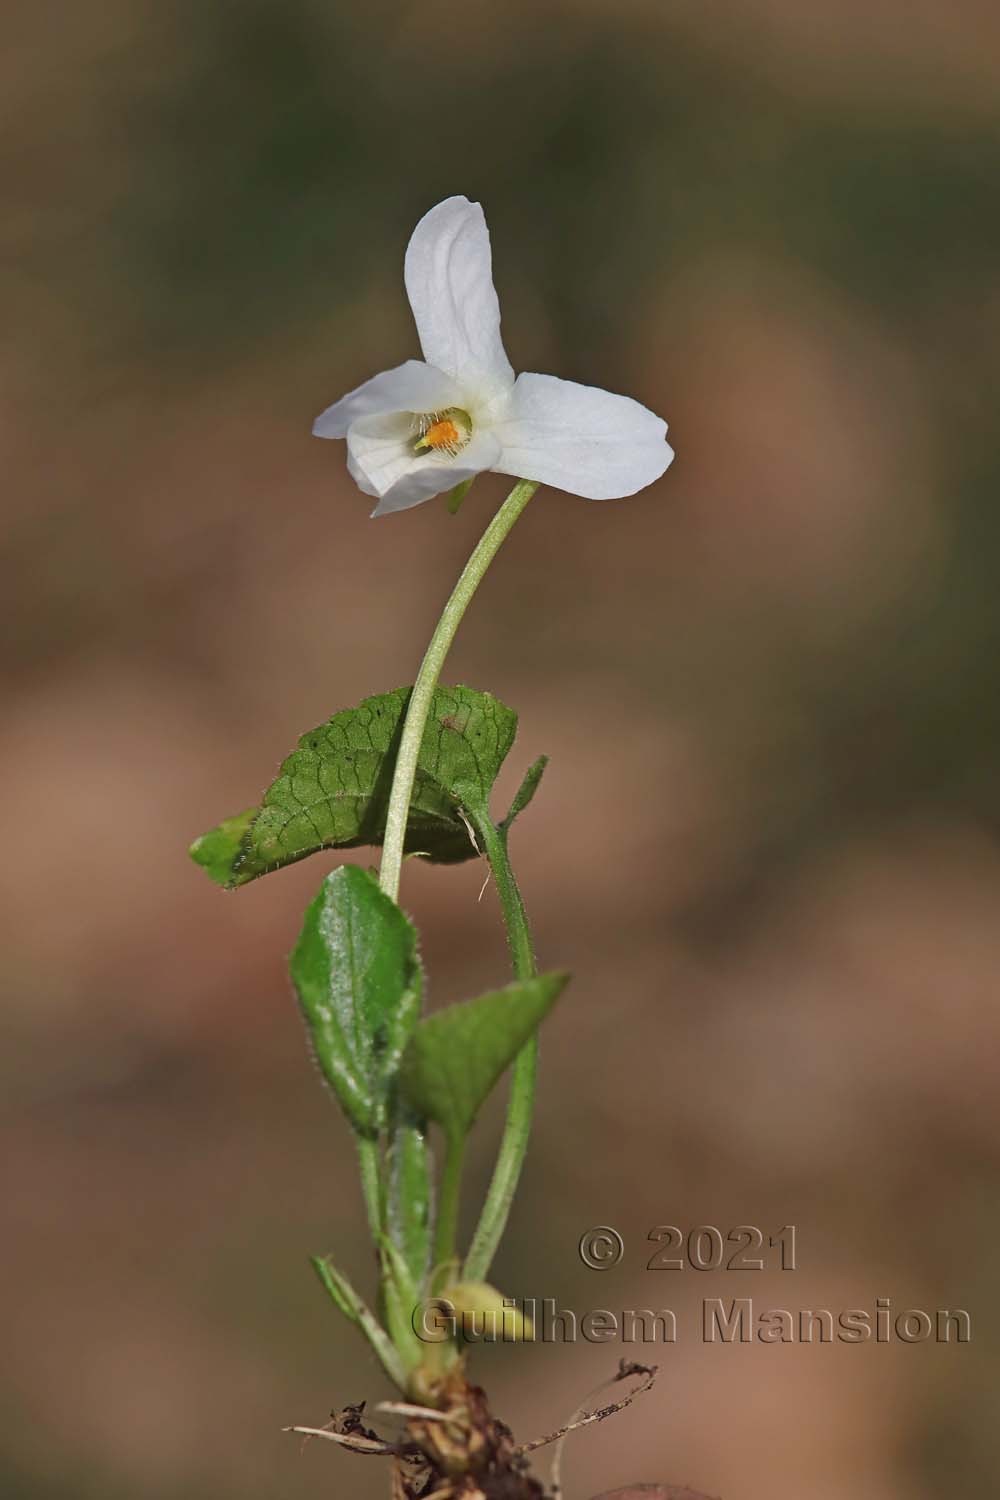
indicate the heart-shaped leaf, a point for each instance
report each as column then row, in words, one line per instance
column 454, row 1058
column 332, row 792
column 358, row 978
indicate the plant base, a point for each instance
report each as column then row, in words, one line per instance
column 464, row 1453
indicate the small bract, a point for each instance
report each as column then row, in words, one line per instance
column 427, row 426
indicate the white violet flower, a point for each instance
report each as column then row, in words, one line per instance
column 423, row 428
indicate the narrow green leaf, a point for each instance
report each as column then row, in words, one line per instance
column 455, row 1057
column 332, row 792
column 526, row 791
column 409, row 1198
column 338, row 1288
column 347, row 1301
column 358, row 978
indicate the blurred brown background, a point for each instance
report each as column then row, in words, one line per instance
column 767, row 842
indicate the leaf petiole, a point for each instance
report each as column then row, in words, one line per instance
column 446, row 1228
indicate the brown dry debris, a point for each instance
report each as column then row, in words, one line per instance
column 460, row 1451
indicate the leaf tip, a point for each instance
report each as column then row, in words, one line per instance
column 217, row 851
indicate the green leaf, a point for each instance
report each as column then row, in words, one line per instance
column 526, row 791
column 338, row 1288
column 409, row 1198
column 358, row 978
column 454, row 1058
column 332, row 792
column 217, row 850
column 347, row 1301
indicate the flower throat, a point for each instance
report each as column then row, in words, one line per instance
column 443, row 431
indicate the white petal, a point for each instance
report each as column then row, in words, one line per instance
column 449, row 281
column 426, row 481
column 382, row 462
column 410, row 387
column 580, row 439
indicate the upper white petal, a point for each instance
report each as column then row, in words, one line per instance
column 410, row 387
column 382, row 462
column 580, row 439
column 449, row 281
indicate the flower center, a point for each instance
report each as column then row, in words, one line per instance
column 443, row 434
column 442, row 431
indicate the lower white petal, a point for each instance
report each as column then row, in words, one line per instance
column 412, row 386
column 580, row 439
column 382, row 462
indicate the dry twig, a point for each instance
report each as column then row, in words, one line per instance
column 583, row 1418
column 349, row 1440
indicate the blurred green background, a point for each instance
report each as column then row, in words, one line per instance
column 767, row 843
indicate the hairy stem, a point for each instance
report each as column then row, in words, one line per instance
column 371, row 1183
column 522, row 953
column 521, row 1100
column 427, row 678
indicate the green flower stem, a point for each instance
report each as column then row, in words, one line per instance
column 430, row 670
column 446, row 1229
column 521, row 1101
column 515, row 1137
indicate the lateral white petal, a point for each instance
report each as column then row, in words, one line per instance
column 382, row 462
column 581, row 439
column 411, row 387
column 449, row 281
